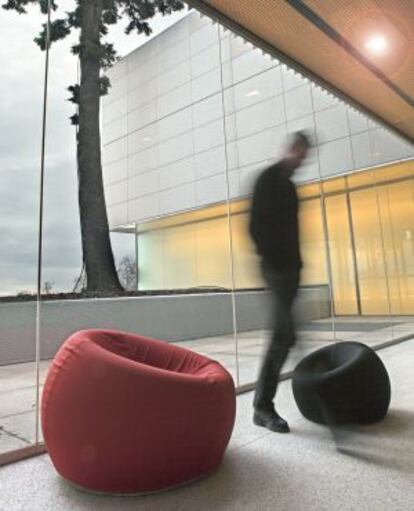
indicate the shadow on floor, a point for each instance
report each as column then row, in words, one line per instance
column 387, row 444
column 221, row 490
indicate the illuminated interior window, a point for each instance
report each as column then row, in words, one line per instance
column 367, row 213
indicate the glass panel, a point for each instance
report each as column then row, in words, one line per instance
column 314, row 271
column 21, row 87
column 191, row 254
column 372, row 276
column 179, row 203
column 395, row 171
column 255, row 132
column 61, row 245
column 246, row 260
column 166, row 202
column 172, row 159
column 401, row 235
column 334, row 185
column 373, row 261
column 308, row 191
column 360, row 179
column 398, row 233
column 377, row 175
column 256, row 135
column 213, row 265
column 341, row 255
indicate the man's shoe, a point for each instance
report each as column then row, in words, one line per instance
column 271, row 421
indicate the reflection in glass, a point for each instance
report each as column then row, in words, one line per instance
column 21, row 90
column 175, row 188
column 341, row 256
column 369, row 253
column 398, row 234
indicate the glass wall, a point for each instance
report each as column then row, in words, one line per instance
column 397, row 233
column 244, row 106
column 342, row 256
column 159, row 133
column 366, row 281
column 176, row 188
column 191, row 120
column 21, row 89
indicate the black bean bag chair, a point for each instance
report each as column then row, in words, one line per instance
column 344, row 383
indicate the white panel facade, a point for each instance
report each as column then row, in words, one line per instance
column 180, row 198
column 177, row 173
column 208, row 136
column 211, row 190
column 210, row 109
column 142, row 161
column 298, row 102
column 166, row 147
column 210, row 162
column 322, row 99
column 116, row 193
column 260, row 117
column 250, row 64
column 306, row 123
column 291, row 79
column 206, row 85
column 265, row 145
column 205, row 61
column 143, row 184
column 257, row 89
column 332, row 123
column 141, row 117
column 357, row 122
column 143, row 208
column 116, row 171
column 361, row 149
column 335, row 157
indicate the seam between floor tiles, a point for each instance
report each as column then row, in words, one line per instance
column 17, row 414
column 14, row 435
column 18, row 388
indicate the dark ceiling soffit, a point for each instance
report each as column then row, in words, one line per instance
column 231, row 25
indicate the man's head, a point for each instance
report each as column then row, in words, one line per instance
column 298, row 149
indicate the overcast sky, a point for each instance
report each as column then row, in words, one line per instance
column 21, row 94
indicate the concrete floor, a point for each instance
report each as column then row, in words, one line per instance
column 301, row 471
column 17, row 382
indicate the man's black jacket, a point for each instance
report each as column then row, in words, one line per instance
column 274, row 219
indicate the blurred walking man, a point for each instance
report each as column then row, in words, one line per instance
column 275, row 232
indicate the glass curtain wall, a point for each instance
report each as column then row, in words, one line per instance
column 180, row 203
column 159, row 130
column 188, row 125
column 22, row 88
column 191, row 119
column 262, row 108
column 162, row 147
column 355, row 240
column 61, row 256
column 262, row 102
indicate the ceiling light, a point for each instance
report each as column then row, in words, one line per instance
column 252, row 94
column 376, row 44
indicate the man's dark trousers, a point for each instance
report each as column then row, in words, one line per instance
column 283, row 286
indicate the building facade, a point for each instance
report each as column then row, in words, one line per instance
column 193, row 116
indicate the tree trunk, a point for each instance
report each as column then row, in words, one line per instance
column 96, row 244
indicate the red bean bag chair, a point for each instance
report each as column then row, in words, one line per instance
column 126, row 414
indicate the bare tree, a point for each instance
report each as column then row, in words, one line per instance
column 48, row 286
column 127, row 271
column 79, row 284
